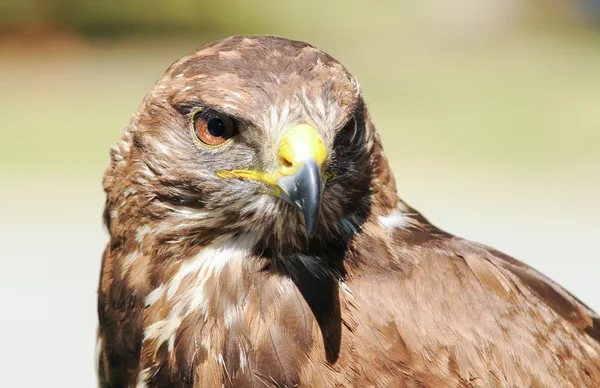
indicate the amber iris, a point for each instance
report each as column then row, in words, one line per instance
column 213, row 128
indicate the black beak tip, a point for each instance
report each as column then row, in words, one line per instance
column 304, row 190
column 310, row 221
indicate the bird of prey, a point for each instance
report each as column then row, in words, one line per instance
column 257, row 240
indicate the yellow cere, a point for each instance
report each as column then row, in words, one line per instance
column 300, row 143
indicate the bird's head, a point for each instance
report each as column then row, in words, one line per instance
column 248, row 134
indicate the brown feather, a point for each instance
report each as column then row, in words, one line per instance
column 209, row 283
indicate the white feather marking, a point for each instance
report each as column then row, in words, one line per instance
column 285, row 112
column 396, row 219
column 129, row 259
column 232, row 315
column 143, row 376
column 319, row 105
column 209, row 263
column 129, row 192
column 243, row 360
column 163, row 330
column 191, row 214
column 273, row 119
column 155, row 295
column 140, row 233
column 160, row 146
column 98, row 353
column 345, row 288
column 356, row 86
column 171, row 343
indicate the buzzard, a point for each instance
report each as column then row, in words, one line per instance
column 257, row 240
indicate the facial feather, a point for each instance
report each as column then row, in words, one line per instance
column 168, row 171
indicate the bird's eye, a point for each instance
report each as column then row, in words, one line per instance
column 349, row 134
column 213, row 128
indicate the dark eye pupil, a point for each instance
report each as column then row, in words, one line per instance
column 216, row 126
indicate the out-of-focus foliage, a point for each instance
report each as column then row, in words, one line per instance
column 118, row 17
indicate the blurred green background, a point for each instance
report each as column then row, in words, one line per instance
column 489, row 113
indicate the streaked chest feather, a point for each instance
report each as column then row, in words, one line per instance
column 192, row 290
column 219, row 317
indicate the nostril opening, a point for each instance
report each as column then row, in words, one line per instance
column 286, row 163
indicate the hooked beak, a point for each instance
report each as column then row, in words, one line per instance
column 303, row 190
column 299, row 179
column 302, row 154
